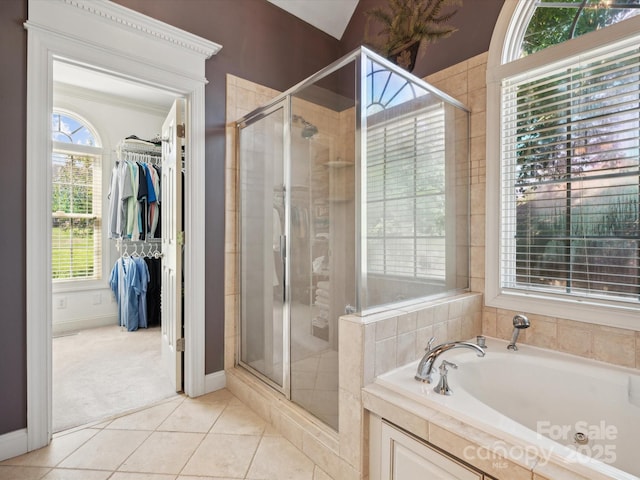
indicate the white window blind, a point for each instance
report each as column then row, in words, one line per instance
column 76, row 216
column 571, row 178
column 406, row 195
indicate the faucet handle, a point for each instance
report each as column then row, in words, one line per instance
column 444, row 365
column 431, row 340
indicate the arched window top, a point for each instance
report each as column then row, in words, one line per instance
column 386, row 88
column 69, row 128
column 538, row 24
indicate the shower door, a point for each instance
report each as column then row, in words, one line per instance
column 264, row 316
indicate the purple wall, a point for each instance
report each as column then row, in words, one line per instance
column 13, row 99
column 260, row 43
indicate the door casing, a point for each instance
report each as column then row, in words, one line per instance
column 107, row 38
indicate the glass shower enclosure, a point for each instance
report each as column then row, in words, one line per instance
column 353, row 198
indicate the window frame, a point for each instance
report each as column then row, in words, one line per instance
column 78, row 284
column 502, row 64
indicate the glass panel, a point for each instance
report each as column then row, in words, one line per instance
column 67, row 129
column 322, row 255
column 262, row 224
column 416, row 191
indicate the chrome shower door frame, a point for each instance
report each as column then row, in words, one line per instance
column 283, row 387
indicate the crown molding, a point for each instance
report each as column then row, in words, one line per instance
column 132, row 20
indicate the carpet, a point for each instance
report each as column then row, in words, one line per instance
column 102, row 372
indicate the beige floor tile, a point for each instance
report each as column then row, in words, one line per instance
column 189, row 477
column 309, row 364
column 239, row 420
column 147, row 419
column 223, row 456
column 193, row 416
column 141, row 476
column 10, row 472
column 319, row 474
column 271, row 431
column 328, row 380
column 58, row 450
column 65, row 474
column 277, row 458
column 219, row 396
column 106, row 450
column 163, row 452
column 329, row 362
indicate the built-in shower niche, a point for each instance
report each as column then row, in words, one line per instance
column 353, row 198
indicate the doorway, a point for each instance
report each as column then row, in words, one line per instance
column 101, row 367
column 109, row 38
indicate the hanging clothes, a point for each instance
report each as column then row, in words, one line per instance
column 154, row 290
column 134, row 216
column 134, row 200
column 136, row 285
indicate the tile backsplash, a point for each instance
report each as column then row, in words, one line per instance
column 608, row 344
column 396, row 337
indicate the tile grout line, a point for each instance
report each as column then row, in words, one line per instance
column 150, row 432
column 253, row 457
column 204, row 437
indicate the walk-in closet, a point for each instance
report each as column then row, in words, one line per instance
column 109, row 207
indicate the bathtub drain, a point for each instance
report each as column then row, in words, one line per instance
column 581, row 438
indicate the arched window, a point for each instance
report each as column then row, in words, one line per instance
column 76, row 200
column 563, row 160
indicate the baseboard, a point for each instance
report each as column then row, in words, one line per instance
column 13, row 444
column 215, row 381
column 60, row 328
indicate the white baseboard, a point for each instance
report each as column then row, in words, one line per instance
column 60, row 328
column 215, row 381
column 13, row 444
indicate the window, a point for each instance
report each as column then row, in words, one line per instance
column 568, row 180
column 405, row 178
column 571, row 178
column 406, row 196
column 555, row 22
column 76, row 237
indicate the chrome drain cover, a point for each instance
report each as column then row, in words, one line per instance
column 581, row 438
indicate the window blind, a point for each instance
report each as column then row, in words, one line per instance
column 571, row 178
column 406, row 195
column 76, row 217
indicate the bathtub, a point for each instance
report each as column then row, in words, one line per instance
column 555, row 406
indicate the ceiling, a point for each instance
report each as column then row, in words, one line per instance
column 330, row 16
column 110, row 85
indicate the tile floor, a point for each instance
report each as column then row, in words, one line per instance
column 213, row 437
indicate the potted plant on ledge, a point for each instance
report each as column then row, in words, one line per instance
column 407, row 24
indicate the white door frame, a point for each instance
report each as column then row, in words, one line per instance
column 106, row 37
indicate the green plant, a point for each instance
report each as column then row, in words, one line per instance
column 409, row 22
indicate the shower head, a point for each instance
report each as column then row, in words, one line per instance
column 308, row 129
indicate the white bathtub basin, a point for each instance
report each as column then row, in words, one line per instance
column 541, row 399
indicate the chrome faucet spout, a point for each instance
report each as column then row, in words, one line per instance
column 425, row 367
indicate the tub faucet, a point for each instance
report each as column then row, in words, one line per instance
column 520, row 322
column 425, row 367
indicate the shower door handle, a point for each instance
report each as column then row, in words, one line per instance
column 283, row 247
column 283, row 256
